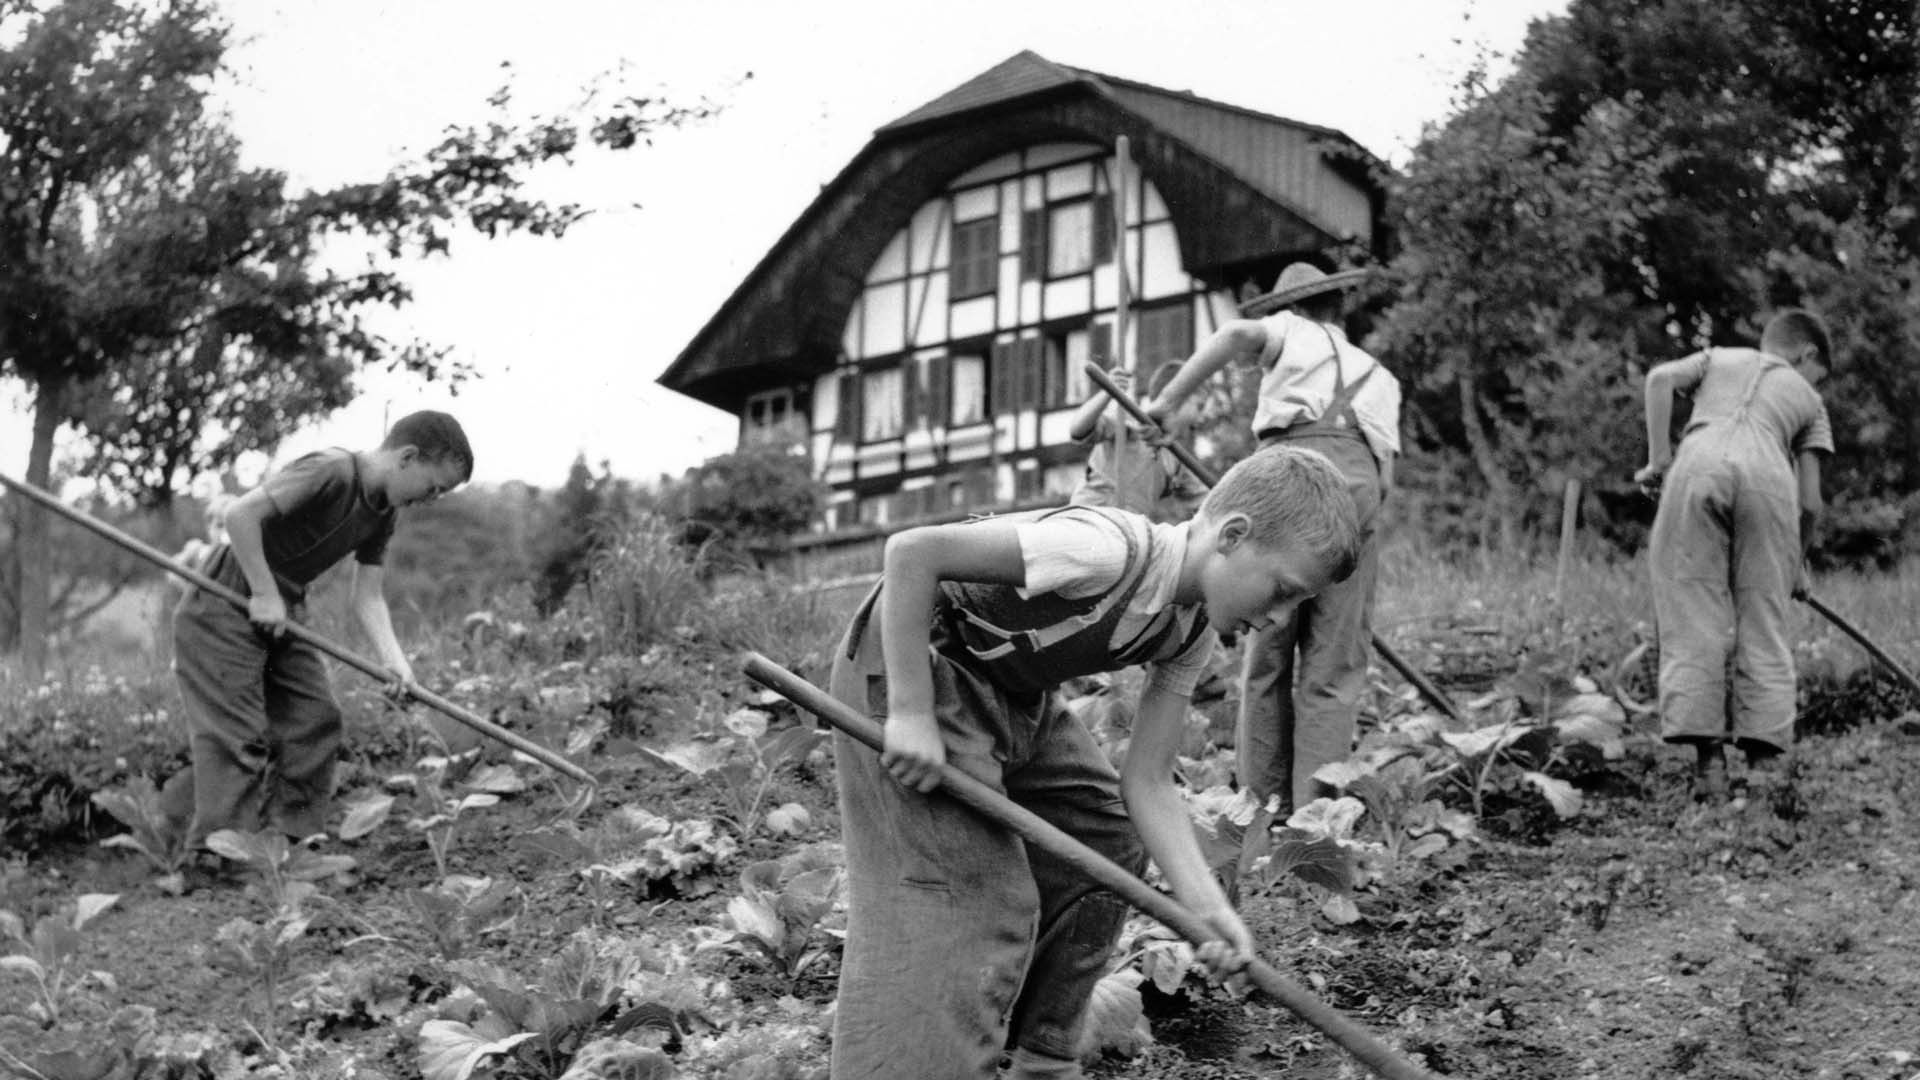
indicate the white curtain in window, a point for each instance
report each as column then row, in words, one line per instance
column 881, row 406
column 969, row 375
column 1069, row 239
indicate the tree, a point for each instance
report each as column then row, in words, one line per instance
column 747, row 498
column 1653, row 177
column 1505, row 319
column 168, row 300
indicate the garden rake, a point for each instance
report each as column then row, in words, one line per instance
column 346, row 656
column 1000, row 810
column 1407, row 671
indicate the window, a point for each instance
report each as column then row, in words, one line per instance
column 968, row 372
column 1069, row 238
column 768, row 410
column 1166, row 333
column 1066, row 238
column 881, row 405
column 1064, row 379
column 974, row 260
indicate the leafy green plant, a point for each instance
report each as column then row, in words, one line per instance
column 127, row 1044
column 1396, row 788
column 652, row 854
column 287, row 871
column 263, row 952
column 745, row 761
column 162, row 841
column 446, row 787
column 541, row 1024
column 49, row 956
column 460, row 910
column 784, row 909
column 64, row 740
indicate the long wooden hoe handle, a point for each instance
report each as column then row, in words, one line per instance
column 1867, row 643
column 1408, row 671
column 346, row 656
column 997, row 808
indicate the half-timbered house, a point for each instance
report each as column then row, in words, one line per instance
column 921, row 330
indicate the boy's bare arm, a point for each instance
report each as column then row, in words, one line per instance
column 265, row 607
column 1160, row 815
column 1088, row 414
column 1240, row 339
column 1806, row 469
column 917, row 561
column 369, row 602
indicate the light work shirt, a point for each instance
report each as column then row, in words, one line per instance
column 1298, row 381
column 1081, row 553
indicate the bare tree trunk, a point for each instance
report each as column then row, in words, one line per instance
column 33, row 533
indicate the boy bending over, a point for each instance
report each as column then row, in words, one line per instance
column 962, row 943
column 262, row 725
column 1737, row 510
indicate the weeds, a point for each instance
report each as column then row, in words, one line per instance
column 745, row 760
column 162, row 841
column 49, row 956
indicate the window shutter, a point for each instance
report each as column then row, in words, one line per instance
column 913, row 394
column 937, row 396
column 1000, row 379
column 1102, row 229
column 1100, row 345
column 1032, row 362
column 846, row 425
column 1033, row 245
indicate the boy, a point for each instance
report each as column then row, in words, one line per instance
column 1144, row 477
column 963, row 944
column 1304, row 676
column 262, row 724
column 1737, row 512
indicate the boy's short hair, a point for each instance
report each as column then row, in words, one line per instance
column 436, row 435
column 1295, row 498
column 1161, row 377
column 1798, row 326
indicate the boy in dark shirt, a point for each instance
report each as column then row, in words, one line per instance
column 262, row 724
column 961, row 941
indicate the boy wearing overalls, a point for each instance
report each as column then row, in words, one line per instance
column 1737, row 508
column 963, row 944
column 1303, row 677
column 263, row 728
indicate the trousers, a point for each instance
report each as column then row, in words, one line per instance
column 1724, row 548
column 1302, row 679
column 263, row 729
column 963, row 943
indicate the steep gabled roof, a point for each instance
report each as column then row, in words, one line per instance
column 1024, row 73
column 1242, row 186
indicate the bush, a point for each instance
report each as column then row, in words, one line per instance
column 62, row 741
column 645, row 587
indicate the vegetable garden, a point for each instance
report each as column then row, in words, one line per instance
column 1528, row 894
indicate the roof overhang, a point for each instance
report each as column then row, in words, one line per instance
column 787, row 316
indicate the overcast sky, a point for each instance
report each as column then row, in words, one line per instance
column 569, row 335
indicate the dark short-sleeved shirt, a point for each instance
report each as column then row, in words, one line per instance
column 322, row 511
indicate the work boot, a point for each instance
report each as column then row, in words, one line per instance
column 1709, row 784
